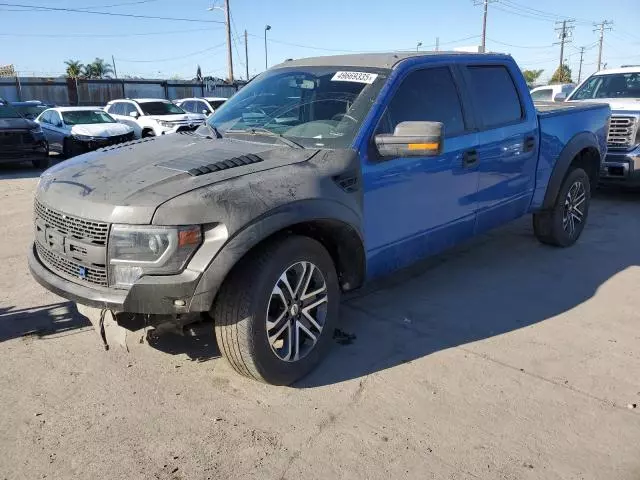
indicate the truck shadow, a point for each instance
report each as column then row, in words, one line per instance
column 54, row 319
column 496, row 284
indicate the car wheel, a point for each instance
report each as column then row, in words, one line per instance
column 67, row 149
column 42, row 163
column 563, row 224
column 148, row 133
column 276, row 312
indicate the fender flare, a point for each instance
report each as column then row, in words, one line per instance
column 574, row 146
column 263, row 227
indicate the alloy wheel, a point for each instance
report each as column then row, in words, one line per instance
column 574, row 208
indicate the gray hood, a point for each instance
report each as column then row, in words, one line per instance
column 128, row 182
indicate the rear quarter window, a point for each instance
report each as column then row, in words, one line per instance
column 495, row 95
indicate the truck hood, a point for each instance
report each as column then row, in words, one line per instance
column 17, row 123
column 126, row 183
column 621, row 104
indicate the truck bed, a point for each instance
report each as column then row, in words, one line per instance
column 546, row 109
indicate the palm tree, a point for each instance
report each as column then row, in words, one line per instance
column 100, row 69
column 74, row 68
column 88, row 71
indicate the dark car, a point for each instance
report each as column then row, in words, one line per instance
column 31, row 108
column 21, row 139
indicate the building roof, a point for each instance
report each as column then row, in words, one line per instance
column 374, row 60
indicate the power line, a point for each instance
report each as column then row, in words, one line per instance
column 173, row 58
column 111, row 14
column 541, row 14
column 541, row 47
column 101, row 35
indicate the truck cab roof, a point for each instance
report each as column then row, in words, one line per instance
column 384, row 60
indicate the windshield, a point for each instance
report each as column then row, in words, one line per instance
column 85, row 117
column 7, row 111
column 613, row 85
column 30, row 111
column 315, row 106
column 160, row 108
column 216, row 103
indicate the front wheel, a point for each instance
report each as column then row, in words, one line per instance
column 275, row 314
column 563, row 224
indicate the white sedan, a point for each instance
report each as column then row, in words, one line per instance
column 71, row 131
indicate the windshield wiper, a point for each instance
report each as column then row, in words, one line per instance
column 213, row 130
column 266, row 132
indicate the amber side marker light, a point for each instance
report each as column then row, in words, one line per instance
column 189, row 237
column 423, row 146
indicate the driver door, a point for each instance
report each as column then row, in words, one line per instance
column 415, row 206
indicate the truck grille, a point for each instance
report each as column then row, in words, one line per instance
column 15, row 138
column 79, row 228
column 94, row 274
column 622, row 132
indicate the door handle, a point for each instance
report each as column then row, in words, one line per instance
column 470, row 158
column 529, row 144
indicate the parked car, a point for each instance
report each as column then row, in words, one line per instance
column 72, row 131
column 552, row 93
column 620, row 89
column 21, row 139
column 204, row 106
column 151, row 117
column 31, row 108
column 265, row 215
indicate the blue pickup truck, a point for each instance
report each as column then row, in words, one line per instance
column 318, row 176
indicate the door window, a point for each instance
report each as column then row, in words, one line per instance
column 542, row 95
column 426, row 95
column 46, row 117
column 201, row 107
column 127, row 108
column 56, row 120
column 495, row 95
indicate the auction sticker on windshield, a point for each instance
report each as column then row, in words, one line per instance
column 358, row 77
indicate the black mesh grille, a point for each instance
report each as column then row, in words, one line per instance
column 226, row 164
column 93, row 274
column 79, row 228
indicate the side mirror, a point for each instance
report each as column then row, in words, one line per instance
column 412, row 139
column 205, row 111
column 134, row 114
column 560, row 97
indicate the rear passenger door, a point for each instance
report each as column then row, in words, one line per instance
column 414, row 206
column 507, row 143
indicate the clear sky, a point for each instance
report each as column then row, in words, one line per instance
column 38, row 42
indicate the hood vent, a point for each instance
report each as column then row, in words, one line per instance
column 225, row 164
column 126, row 144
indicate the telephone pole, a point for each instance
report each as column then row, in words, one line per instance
column 229, row 53
column 437, row 44
column 246, row 53
column 602, row 26
column 565, row 31
column 580, row 69
column 485, row 4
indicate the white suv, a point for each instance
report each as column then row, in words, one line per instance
column 152, row 116
column 203, row 107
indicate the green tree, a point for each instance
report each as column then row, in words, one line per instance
column 531, row 76
column 98, row 69
column 562, row 75
column 74, row 68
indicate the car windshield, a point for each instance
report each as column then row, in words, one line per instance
column 216, row 103
column 85, row 117
column 7, row 111
column 160, row 108
column 30, row 111
column 612, row 85
column 314, row 106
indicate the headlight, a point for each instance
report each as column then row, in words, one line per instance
column 135, row 251
column 165, row 124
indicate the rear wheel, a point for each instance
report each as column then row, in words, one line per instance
column 276, row 313
column 563, row 224
column 147, row 132
column 68, row 149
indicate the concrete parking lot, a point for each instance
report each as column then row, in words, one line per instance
column 503, row 359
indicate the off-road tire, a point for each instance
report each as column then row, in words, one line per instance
column 548, row 224
column 240, row 310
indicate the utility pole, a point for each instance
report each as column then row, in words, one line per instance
column 246, row 53
column 564, row 29
column 229, row 53
column 602, row 26
column 437, row 44
column 485, row 4
column 266, row 55
column 115, row 72
column 580, row 69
